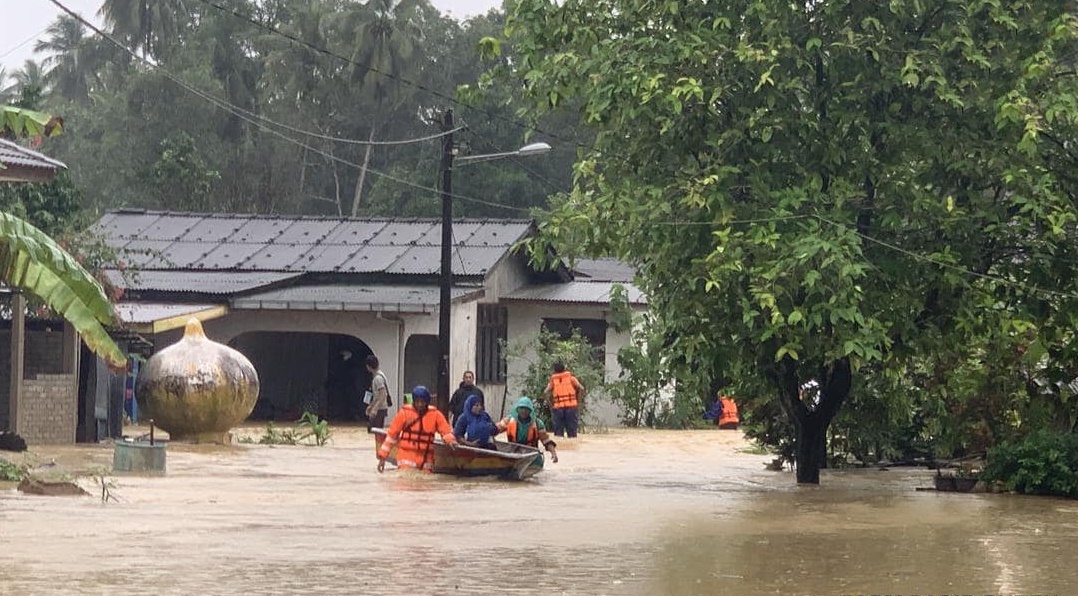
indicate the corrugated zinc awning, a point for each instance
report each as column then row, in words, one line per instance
column 406, row 299
column 150, row 317
column 19, row 164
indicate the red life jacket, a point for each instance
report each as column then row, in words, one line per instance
column 563, row 390
column 533, row 433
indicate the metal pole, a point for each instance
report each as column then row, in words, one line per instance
column 446, row 281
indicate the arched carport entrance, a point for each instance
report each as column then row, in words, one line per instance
column 300, row 371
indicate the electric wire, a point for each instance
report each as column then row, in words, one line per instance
column 404, row 80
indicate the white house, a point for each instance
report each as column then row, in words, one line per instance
column 308, row 298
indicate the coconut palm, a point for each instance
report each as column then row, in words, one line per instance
column 147, row 25
column 66, row 49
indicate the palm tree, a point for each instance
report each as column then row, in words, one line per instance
column 30, row 85
column 387, row 38
column 7, row 93
column 151, row 26
column 66, row 50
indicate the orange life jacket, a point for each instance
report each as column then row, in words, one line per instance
column 729, row 412
column 533, row 433
column 564, row 391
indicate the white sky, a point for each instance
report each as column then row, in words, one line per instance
column 26, row 20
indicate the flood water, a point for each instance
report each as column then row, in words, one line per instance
column 629, row 512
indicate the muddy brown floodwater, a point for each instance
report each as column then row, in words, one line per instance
column 629, row 512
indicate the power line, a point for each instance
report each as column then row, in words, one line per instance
column 24, row 42
column 406, row 81
column 238, row 112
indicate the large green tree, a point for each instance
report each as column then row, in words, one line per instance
column 822, row 190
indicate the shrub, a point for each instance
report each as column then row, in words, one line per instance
column 1043, row 463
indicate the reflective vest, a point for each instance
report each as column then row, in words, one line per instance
column 417, row 434
column 533, row 433
column 564, row 392
column 729, row 412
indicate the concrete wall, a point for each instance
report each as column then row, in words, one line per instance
column 525, row 321
column 49, row 410
column 386, row 335
column 509, row 275
column 44, row 355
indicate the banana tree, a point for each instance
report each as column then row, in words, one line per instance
column 34, row 263
column 19, row 122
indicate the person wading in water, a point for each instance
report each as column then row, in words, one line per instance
column 412, row 432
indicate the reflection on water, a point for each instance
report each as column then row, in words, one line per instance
column 626, row 513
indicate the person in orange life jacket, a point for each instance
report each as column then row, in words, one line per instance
column 474, row 426
column 728, row 418
column 526, row 429
column 412, row 432
column 567, row 392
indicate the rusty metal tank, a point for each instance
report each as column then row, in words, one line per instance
column 198, row 389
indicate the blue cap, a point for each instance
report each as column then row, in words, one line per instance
column 421, row 392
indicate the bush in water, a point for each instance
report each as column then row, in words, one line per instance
column 1043, row 463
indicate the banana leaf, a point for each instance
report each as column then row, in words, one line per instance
column 33, row 262
column 18, row 122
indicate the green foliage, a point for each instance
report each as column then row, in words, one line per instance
column 275, row 436
column 541, row 352
column 310, row 427
column 51, row 207
column 857, row 186
column 23, row 122
column 10, row 472
column 33, row 262
column 1043, row 463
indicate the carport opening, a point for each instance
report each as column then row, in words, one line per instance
column 298, row 372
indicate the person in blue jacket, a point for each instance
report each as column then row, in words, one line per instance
column 474, row 426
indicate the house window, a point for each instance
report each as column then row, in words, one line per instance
column 492, row 331
column 593, row 330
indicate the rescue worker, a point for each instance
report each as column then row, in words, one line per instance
column 728, row 419
column 412, row 432
column 567, row 393
column 525, row 428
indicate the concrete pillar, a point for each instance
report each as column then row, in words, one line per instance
column 18, row 353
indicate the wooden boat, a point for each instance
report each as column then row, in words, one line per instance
column 511, row 461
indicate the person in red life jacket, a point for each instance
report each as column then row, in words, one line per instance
column 523, row 427
column 728, row 418
column 566, row 392
column 412, row 432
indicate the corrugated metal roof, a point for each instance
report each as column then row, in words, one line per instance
column 578, row 292
column 136, row 313
column 198, row 282
column 417, row 299
column 190, row 241
column 14, row 156
column 603, row 270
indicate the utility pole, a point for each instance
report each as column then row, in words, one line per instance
column 446, row 281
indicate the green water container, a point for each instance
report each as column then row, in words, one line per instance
column 139, row 457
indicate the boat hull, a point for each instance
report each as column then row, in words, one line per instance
column 511, row 461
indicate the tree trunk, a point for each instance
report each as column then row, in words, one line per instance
column 362, row 174
column 811, row 423
column 810, row 438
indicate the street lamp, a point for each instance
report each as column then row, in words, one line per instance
column 446, row 280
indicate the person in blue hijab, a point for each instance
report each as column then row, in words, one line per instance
column 474, row 426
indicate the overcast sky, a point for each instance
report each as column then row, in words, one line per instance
column 26, row 20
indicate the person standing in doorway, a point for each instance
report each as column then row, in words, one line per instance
column 467, row 387
column 378, row 404
column 567, row 392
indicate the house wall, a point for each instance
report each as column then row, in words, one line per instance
column 525, row 321
column 511, row 274
column 49, row 408
column 386, row 335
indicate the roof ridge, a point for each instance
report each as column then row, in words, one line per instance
column 302, row 217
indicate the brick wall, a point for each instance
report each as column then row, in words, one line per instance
column 49, row 409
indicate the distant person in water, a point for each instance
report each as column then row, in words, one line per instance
column 474, row 426
column 566, row 392
column 467, row 388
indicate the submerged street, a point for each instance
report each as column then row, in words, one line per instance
column 624, row 512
